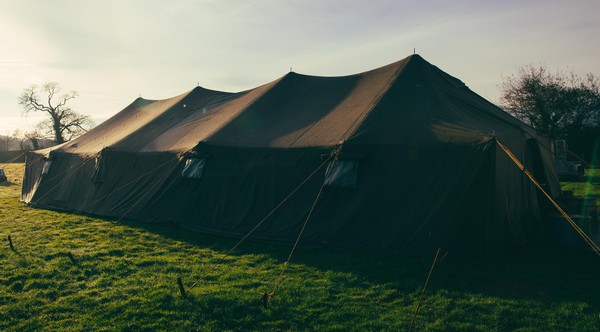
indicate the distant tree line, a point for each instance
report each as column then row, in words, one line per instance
column 21, row 140
column 560, row 105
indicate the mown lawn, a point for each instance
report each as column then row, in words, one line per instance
column 125, row 276
column 590, row 187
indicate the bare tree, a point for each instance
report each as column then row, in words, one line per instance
column 561, row 105
column 63, row 122
column 4, row 142
column 550, row 102
column 21, row 139
column 35, row 138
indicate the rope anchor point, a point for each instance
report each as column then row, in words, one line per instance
column 266, row 298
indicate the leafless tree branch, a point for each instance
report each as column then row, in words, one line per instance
column 61, row 117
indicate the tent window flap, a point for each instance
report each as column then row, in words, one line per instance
column 193, row 169
column 342, row 173
column 99, row 170
column 46, row 166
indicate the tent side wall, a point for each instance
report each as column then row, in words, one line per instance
column 34, row 164
column 404, row 200
column 468, row 199
column 114, row 185
column 238, row 187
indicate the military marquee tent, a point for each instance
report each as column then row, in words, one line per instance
column 403, row 158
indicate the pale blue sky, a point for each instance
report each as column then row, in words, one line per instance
column 112, row 51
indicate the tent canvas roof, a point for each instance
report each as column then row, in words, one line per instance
column 306, row 111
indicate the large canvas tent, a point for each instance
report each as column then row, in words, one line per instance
column 403, row 158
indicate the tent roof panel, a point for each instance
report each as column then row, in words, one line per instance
column 407, row 100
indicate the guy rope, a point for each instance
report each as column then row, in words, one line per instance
column 333, row 156
column 268, row 296
column 585, row 237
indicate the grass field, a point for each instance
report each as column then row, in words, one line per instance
column 591, row 187
column 125, row 276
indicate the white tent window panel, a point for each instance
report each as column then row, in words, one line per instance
column 342, row 174
column 194, row 168
column 46, row 167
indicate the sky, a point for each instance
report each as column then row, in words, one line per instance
column 113, row 51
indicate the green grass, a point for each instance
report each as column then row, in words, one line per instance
column 590, row 187
column 125, row 279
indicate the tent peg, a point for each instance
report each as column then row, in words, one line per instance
column 72, row 258
column 266, row 298
column 181, row 289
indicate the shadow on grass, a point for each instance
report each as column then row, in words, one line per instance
column 7, row 184
column 549, row 276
